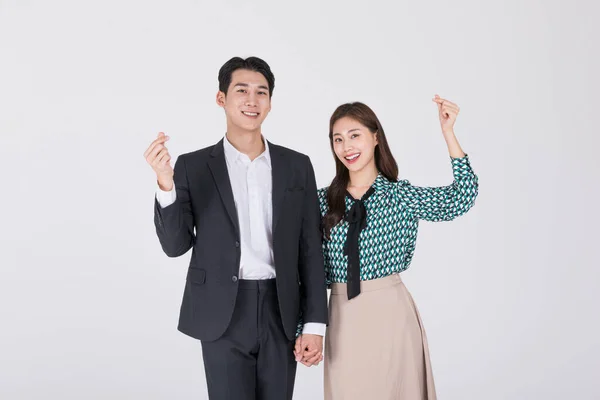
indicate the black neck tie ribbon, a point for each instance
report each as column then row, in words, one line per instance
column 357, row 220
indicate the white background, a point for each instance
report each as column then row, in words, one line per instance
column 508, row 292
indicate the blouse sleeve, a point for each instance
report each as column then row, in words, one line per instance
column 443, row 203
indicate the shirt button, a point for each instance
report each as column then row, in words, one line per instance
column 234, row 279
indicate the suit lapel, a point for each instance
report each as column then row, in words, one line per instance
column 218, row 168
column 279, row 170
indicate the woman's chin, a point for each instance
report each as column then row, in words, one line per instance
column 354, row 167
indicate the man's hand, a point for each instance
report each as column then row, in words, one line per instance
column 309, row 349
column 157, row 155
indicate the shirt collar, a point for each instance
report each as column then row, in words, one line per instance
column 233, row 155
column 381, row 183
column 381, row 186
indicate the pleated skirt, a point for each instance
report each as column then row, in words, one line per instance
column 375, row 346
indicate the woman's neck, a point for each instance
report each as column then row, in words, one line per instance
column 363, row 178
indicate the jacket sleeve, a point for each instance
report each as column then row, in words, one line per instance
column 175, row 223
column 313, row 292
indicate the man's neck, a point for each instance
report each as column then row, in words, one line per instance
column 248, row 143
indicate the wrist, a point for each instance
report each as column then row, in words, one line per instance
column 165, row 183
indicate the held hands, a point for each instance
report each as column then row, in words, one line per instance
column 157, row 155
column 448, row 112
column 309, row 349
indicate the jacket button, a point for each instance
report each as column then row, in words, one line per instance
column 234, row 278
column 237, row 244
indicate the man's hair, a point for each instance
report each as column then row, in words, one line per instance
column 251, row 64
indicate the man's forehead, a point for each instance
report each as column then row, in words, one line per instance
column 248, row 77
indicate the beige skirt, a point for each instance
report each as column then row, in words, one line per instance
column 375, row 346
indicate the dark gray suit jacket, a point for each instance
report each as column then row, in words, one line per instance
column 204, row 219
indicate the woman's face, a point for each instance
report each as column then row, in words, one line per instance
column 354, row 144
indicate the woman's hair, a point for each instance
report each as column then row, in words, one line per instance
column 384, row 161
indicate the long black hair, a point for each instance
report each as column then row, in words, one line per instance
column 384, row 161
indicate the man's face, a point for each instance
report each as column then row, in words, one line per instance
column 247, row 101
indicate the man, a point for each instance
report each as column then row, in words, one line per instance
column 248, row 209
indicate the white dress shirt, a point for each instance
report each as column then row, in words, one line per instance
column 252, row 186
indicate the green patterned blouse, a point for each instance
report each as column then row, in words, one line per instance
column 387, row 243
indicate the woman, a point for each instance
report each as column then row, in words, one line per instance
column 375, row 344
